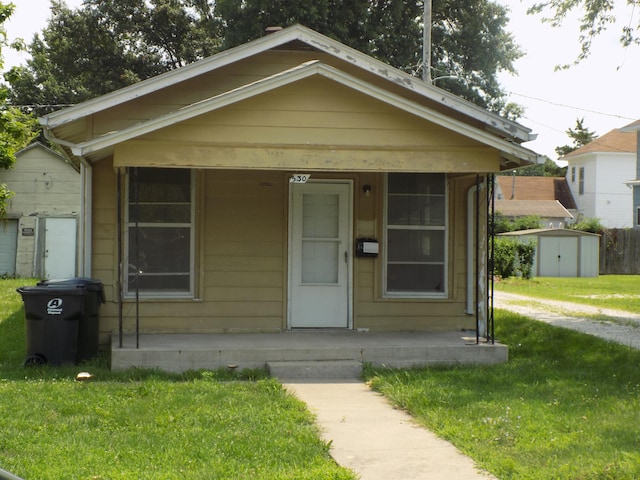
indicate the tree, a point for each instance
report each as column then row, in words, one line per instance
column 596, row 17
column 130, row 40
column 16, row 128
column 470, row 45
column 580, row 135
column 135, row 39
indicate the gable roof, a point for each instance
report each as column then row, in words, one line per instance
column 40, row 146
column 616, row 141
column 536, row 188
column 459, row 115
column 278, row 80
column 525, row 208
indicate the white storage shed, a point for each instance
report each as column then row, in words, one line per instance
column 562, row 252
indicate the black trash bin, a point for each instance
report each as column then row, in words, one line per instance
column 62, row 320
column 89, row 327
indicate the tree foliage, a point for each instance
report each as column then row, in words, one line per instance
column 580, row 135
column 16, row 128
column 105, row 45
column 547, row 169
column 131, row 40
column 596, row 17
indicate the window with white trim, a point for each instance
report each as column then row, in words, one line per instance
column 415, row 235
column 581, row 181
column 160, row 231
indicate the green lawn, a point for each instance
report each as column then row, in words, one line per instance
column 609, row 291
column 146, row 424
column 565, row 406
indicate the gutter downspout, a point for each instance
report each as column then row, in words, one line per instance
column 84, row 234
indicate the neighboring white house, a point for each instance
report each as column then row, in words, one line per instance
column 598, row 173
column 634, row 183
column 39, row 237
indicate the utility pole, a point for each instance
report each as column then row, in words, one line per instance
column 426, row 42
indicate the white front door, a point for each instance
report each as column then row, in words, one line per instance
column 60, row 248
column 320, row 255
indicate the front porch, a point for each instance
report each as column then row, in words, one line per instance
column 308, row 350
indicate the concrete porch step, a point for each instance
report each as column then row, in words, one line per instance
column 316, row 369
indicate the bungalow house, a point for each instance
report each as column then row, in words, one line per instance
column 288, row 184
column 598, row 173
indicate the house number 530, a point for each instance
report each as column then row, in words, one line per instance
column 299, row 178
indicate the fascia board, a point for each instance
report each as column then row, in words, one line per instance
column 293, row 75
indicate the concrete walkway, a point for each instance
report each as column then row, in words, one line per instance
column 377, row 441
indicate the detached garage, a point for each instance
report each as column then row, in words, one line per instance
column 562, row 253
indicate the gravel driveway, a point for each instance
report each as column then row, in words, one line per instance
column 614, row 325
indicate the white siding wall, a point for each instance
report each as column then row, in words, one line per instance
column 605, row 196
column 44, row 186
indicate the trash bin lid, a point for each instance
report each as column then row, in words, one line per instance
column 42, row 290
column 90, row 284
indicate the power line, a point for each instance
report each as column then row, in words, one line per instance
column 572, row 107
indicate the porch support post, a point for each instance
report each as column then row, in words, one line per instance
column 491, row 248
column 481, row 265
column 119, row 275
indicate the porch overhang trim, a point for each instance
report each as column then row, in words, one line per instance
column 314, row 39
column 305, row 70
column 143, row 153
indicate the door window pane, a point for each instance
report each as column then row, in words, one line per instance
column 320, row 242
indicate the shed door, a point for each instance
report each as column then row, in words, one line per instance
column 320, row 255
column 558, row 257
column 8, row 246
column 60, row 248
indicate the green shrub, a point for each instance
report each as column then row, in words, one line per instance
column 525, row 253
column 512, row 257
column 504, row 256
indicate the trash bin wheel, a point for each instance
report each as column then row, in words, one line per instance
column 35, row 360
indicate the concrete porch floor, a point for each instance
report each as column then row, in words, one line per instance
column 182, row 352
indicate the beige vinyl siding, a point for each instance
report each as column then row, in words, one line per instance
column 243, row 259
column 242, row 234
column 220, row 81
column 314, row 124
column 379, row 314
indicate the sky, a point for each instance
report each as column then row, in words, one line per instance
column 602, row 90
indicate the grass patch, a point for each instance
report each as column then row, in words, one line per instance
column 146, row 424
column 620, row 292
column 566, row 405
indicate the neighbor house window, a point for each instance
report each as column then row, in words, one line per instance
column 581, row 181
column 159, row 236
column 573, row 174
column 415, row 227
